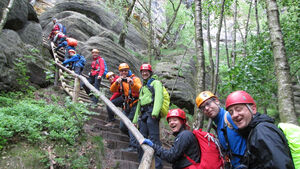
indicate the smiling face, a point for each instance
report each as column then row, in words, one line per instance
column 111, row 78
column 210, row 107
column 241, row 115
column 175, row 124
column 145, row 74
column 124, row 73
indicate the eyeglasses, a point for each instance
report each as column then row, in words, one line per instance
column 208, row 102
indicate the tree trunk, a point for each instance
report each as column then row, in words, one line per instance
column 256, row 17
column 200, row 64
column 125, row 25
column 5, row 14
column 226, row 45
column 285, row 93
column 247, row 29
column 176, row 35
column 150, row 43
column 217, row 48
column 170, row 25
column 233, row 53
column 211, row 61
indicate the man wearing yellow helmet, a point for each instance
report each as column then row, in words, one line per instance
column 129, row 86
column 233, row 145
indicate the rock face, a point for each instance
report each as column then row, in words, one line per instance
column 183, row 94
column 95, row 27
column 20, row 46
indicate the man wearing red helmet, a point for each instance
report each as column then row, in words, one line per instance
column 147, row 113
column 266, row 145
column 98, row 68
column 185, row 144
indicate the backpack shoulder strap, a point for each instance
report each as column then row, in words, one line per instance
column 190, row 160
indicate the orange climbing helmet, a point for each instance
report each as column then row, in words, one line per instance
column 238, row 97
column 146, row 66
column 72, row 51
column 203, row 96
column 108, row 74
column 95, row 51
column 123, row 66
column 176, row 113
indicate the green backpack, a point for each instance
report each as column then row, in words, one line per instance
column 292, row 134
column 166, row 98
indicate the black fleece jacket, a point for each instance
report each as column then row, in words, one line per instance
column 267, row 146
column 184, row 143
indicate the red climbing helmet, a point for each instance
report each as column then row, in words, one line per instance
column 146, row 66
column 72, row 51
column 238, row 97
column 176, row 113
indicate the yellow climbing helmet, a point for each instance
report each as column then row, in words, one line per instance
column 123, row 66
column 108, row 74
column 95, row 51
column 203, row 96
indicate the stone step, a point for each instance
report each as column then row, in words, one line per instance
column 123, row 164
column 114, row 136
column 116, row 144
column 100, row 127
column 128, row 156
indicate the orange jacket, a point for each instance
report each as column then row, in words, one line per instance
column 135, row 88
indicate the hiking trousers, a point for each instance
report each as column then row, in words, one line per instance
column 118, row 102
column 124, row 129
column 96, row 83
column 149, row 128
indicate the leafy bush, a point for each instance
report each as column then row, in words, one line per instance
column 37, row 120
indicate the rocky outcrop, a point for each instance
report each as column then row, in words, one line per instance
column 20, row 46
column 87, row 18
column 183, row 94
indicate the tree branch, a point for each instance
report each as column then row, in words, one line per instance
column 5, row 14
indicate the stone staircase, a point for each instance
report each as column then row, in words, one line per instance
column 114, row 141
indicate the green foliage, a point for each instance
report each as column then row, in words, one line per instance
column 184, row 16
column 22, row 71
column 254, row 74
column 36, row 120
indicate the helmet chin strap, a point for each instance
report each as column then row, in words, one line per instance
column 249, row 108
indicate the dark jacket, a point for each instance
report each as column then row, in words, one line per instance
column 266, row 145
column 185, row 143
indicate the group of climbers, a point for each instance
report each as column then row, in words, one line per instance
column 76, row 61
column 247, row 138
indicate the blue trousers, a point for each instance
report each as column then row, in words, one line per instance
column 149, row 128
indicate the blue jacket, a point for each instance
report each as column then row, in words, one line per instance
column 65, row 45
column 237, row 143
column 74, row 59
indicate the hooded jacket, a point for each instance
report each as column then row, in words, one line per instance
column 146, row 98
column 266, row 145
column 185, row 143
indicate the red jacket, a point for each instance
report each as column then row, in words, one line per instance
column 115, row 94
column 55, row 28
column 98, row 66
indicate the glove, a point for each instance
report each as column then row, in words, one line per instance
column 148, row 142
